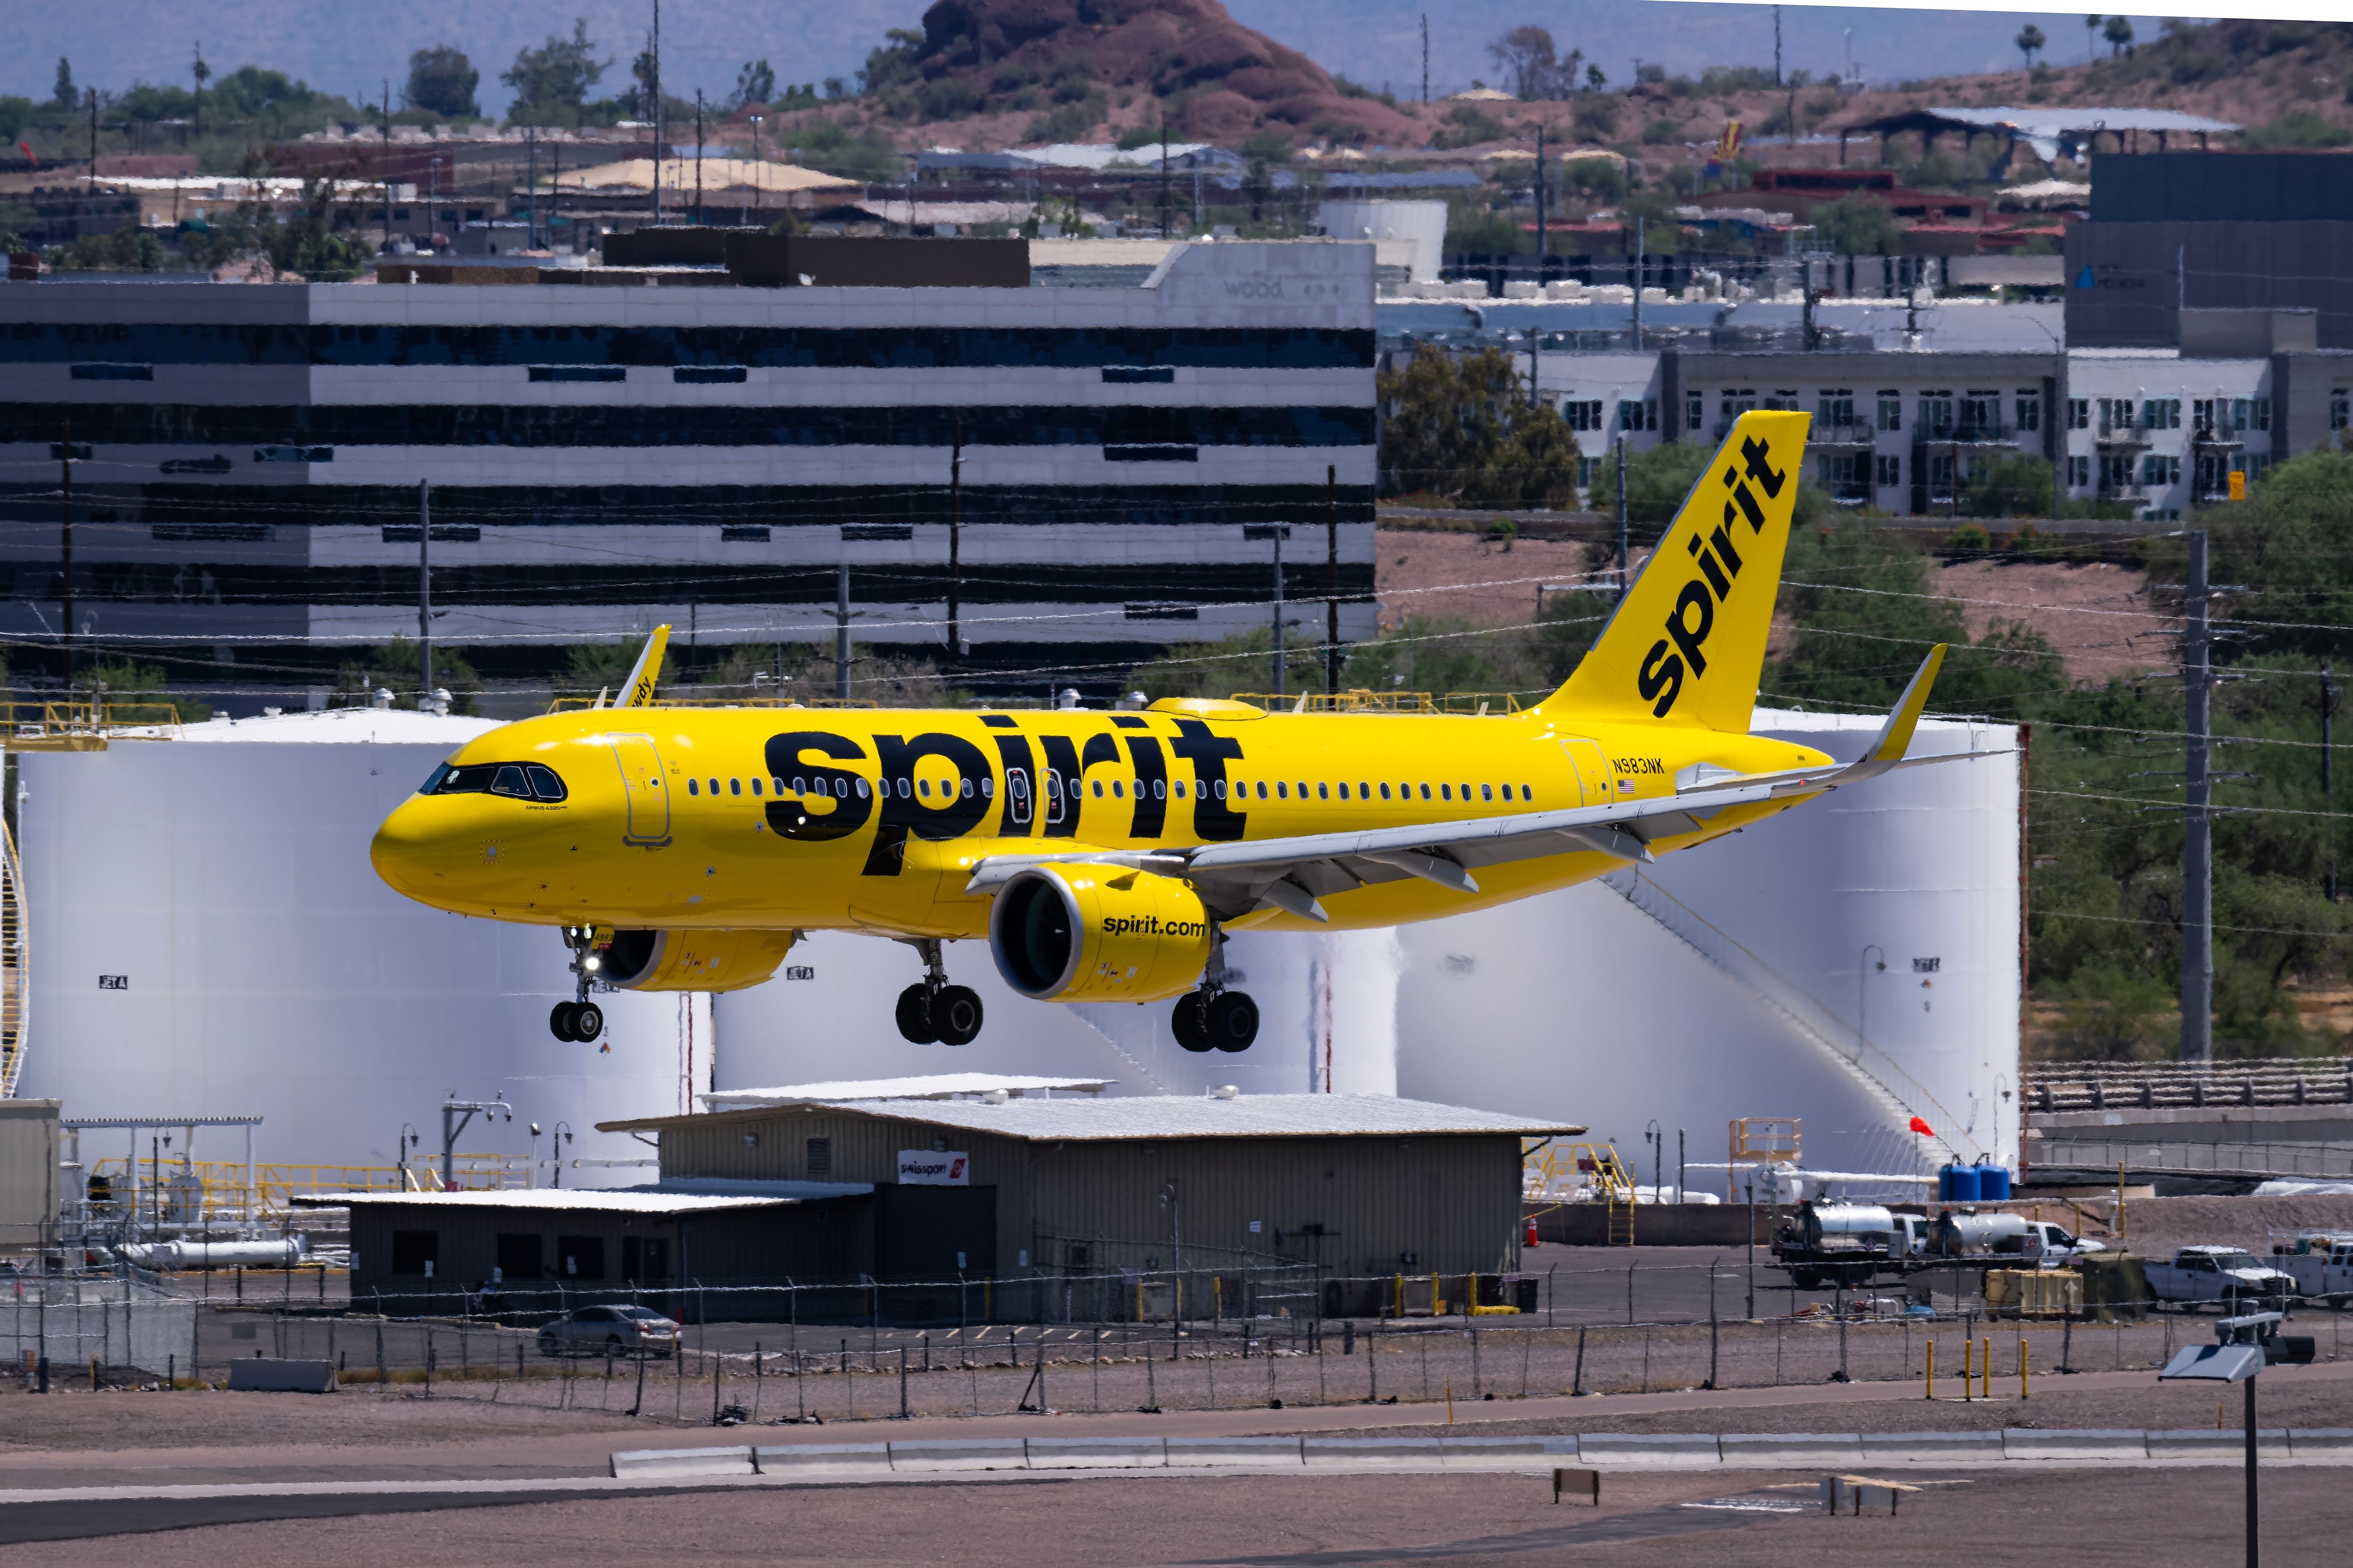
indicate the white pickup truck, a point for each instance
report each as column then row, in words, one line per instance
column 2325, row 1273
column 2230, row 1277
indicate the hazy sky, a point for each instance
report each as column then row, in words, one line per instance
column 353, row 49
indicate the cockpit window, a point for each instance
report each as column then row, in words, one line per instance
column 518, row 781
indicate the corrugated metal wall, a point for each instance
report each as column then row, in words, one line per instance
column 1353, row 1204
column 2221, row 188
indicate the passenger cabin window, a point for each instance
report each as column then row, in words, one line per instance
column 518, row 781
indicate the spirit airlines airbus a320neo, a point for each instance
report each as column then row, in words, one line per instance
column 1104, row 857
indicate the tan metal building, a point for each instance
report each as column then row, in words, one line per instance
column 28, row 1172
column 1358, row 1187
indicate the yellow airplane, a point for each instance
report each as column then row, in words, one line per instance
column 1104, row 857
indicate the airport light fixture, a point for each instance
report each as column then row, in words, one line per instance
column 556, row 1143
column 2243, row 1346
column 453, row 1123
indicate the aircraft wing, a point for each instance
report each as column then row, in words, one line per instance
column 1291, row 874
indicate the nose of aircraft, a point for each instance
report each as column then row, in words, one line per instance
column 408, row 847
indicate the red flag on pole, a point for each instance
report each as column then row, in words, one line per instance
column 27, row 150
column 1923, row 1128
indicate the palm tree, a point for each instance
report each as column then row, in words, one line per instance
column 2090, row 33
column 2028, row 40
column 2119, row 34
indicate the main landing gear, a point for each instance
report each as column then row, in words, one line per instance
column 1214, row 1019
column 931, row 1011
column 581, row 1020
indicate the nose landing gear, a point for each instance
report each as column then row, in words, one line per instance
column 931, row 1011
column 1214, row 1019
column 579, row 1020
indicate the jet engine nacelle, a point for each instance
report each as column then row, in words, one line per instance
column 1098, row 933
column 692, row 960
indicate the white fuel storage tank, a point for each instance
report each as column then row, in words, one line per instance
column 208, row 938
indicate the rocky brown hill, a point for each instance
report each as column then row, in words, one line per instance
column 1068, row 60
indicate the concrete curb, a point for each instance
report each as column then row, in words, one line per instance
column 1664, row 1450
column 1776, row 1450
column 2055, row 1443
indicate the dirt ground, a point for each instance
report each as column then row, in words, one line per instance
column 2096, row 615
column 2133, row 1519
column 2155, row 1226
column 1461, row 576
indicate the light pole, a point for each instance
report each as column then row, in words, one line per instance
column 452, row 1124
column 530, row 1171
column 556, row 1143
column 2244, row 1346
column 407, row 1140
column 1656, row 1137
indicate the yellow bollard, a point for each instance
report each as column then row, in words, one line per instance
column 1985, row 1368
column 1449, row 1401
column 2022, row 1392
column 1968, row 1375
column 1931, row 1392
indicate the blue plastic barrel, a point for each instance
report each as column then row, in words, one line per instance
column 1993, row 1183
column 1957, row 1184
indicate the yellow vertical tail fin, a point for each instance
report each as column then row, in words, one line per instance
column 1686, row 645
column 638, row 692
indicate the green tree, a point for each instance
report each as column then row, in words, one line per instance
column 271, row 100
column 127, row 249
column 441, row 79
column 2010, row 484
column 2295, row 129
column 64, row 94
column 394, row 666
column 122, row 683
column 1459, row 426
column 2118, row 31
column 1657, row 480
column 2030, row 41
column 552, row 83
column 1854, row 224
column 755, row 84
column 305, row 241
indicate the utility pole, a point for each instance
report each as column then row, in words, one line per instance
column 956, row 540
column 1535, row 323
column 424, row 594
column 1425, row 57
column 2328, row 696
column 654, row 70
column 1332, row 558
column 385, row 169
column 841, row 631
column 1622, row 578
column 65, row 546
column 531, row 189
column 1276, row 533
column 2198, row 839
column 1642, row 257
column 698, row 154
column 93, row 141
column 1776, row 47
column 1164, row 176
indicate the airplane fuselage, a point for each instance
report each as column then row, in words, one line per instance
column 748, row 818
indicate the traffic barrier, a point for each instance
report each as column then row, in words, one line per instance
column 1364, row 1451
column 647, row 1462
column 1930, row 1448
column 1482, row 1451
column 1198, row 1451
column 816, row 1459
column 1098, row 1453
column 261, row 1375
column 1679, row 1449
column 984, row 1454
column 2321, row 1442
column 1775, row 1450
column 2036, row 1443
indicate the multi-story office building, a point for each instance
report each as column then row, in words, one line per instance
column 1074, row 477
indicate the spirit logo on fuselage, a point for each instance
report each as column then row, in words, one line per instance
column 1688, row 624
column 821, row 801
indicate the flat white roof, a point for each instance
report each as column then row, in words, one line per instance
column 342, row 726
column 929, row 1085
column 555, row 1200
column 1171, row 1116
